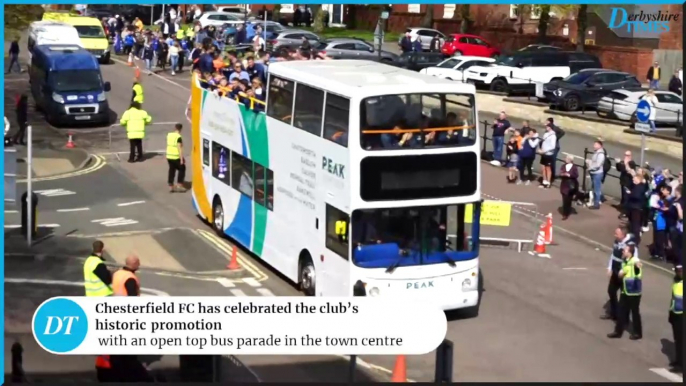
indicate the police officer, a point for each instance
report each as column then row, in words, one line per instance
column 135, row 120
column 622, row 239
column 137, row 90
column 96, row 277
column 676, row 310
column 125, row 282
column 175, row 159
column 631, row 275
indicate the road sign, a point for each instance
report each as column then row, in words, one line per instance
column 643, row 111
column 642, row 127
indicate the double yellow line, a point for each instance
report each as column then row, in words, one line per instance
column 225, row 247
column 98, row 163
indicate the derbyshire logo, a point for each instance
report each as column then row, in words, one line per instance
column 60, row 325
column 655, row 22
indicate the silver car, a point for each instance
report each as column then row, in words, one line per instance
column 622, row 104
column 350, row 48
column 425, row 35
column 293, row 38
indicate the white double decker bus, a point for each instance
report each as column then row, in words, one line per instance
column 352, row 171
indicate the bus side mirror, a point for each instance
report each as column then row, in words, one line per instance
column 107, row 86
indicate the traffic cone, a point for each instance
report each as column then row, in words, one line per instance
column 137, row 73
column 549, row 229
column 539, row 248
column 130, row 60
column 70, row 142
column 233, row 264
column 400, row 370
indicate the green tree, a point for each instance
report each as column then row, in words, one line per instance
column 276, row 13
column 19, row 16
column 465, row 17
column 428, row 19
column 581, row 12
column 318, row 13
column 582, row 24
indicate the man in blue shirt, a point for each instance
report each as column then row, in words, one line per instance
column 205, row 63
column 256, row 70
column 239, row 73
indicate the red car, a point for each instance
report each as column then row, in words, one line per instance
column 468, row 45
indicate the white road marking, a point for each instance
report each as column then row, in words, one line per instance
column 54, row 192
column 13, row 226
column 252, row 282
column 73, row 210
column 237, row 292
column 575, row 269
column 545, row 255
column 11, row 211
column 264, row 292
column 113, row 222
column 131, row 203
column 226, row 282
column 664, row 373
column 149, row 291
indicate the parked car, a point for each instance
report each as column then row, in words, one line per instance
column 622, row 104
column 425, row 35
column 469, row 45
column 539, row 47
column 218, row 19
column 292, row 38
column 417, row 61
column 586, row 87
column 350, row 48
column 522, row 70
column 272, row 28
column 453, row 68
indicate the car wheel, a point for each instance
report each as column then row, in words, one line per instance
column 218, row 217
column 571, row 103
column 457, row 53
column 499, row 85
column 307, row 277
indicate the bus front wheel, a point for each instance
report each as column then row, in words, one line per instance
column 218, row 217
column 307, row 277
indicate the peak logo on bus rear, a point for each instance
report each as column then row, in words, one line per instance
column 332, row 167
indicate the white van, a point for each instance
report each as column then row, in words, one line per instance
column 43, row 33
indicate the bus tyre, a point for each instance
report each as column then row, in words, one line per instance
column 218, row 217
column 307, row 277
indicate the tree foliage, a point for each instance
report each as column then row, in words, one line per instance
column 465, row 17
column 318, row 14
column 19, row 16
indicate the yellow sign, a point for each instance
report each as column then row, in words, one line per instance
column 492, row 213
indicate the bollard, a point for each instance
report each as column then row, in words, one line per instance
column 444, row 362
column 25, row 214
column 17, row 363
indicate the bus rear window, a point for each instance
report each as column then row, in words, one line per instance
column 418, row 177
column 410, row 121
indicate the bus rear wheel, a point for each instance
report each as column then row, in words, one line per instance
column 307, row 277
column 218, row 217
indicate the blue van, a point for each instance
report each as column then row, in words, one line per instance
column 67, row 85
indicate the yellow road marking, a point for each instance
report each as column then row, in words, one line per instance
column 98, row 164
column 242, row 260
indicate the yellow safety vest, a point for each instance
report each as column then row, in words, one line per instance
column 138, row 89
column 190, row 33
column 677, row 306
column 92, row 283
column 135, row 121
column 172, row 146
column 341, row 229
column 180, row 34
column 632, row 283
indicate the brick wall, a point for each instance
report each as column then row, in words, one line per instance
column 673, row 39
column 633, row 60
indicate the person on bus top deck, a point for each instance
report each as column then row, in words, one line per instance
column 397, row 138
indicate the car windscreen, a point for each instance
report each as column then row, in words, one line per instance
column 579, row 77
column 507, row 60
column 90, row 31
column 75, row 80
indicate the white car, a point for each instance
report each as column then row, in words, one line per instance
column 219, row 19
column 621, row 104
column 425, row 35
column 453, row 68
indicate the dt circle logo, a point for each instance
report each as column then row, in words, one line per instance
column 60, row 325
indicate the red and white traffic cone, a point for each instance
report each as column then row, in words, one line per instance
column 549, row 229
column 70, row 142
column 539, row 247
column 233, row 264
column 130, row 60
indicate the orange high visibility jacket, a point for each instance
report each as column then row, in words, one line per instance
column 103, row 362
column 120, row 278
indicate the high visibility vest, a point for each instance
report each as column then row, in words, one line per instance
column 677, row 306
column 120, row 278
column 180, row 34
column 135, row 121
column 341, row 229
column 103, row 362
column 632, row 283
column 92, row 283
column 138, row 89
column 190, row 33
column 172, row 146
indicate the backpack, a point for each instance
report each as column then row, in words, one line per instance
column 607, row 165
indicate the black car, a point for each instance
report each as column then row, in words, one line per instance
column 539, row 47
column 586, row 87
column 417, row 61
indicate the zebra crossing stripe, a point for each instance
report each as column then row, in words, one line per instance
column 54, row 192
column 264, row 292
column 113, row 222
column 237, row 292
column 226, row 282
column 252, row 282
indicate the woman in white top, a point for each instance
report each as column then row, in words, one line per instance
column 174, row 56
column 652, row 99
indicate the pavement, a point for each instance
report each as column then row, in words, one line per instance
column 551, row 333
